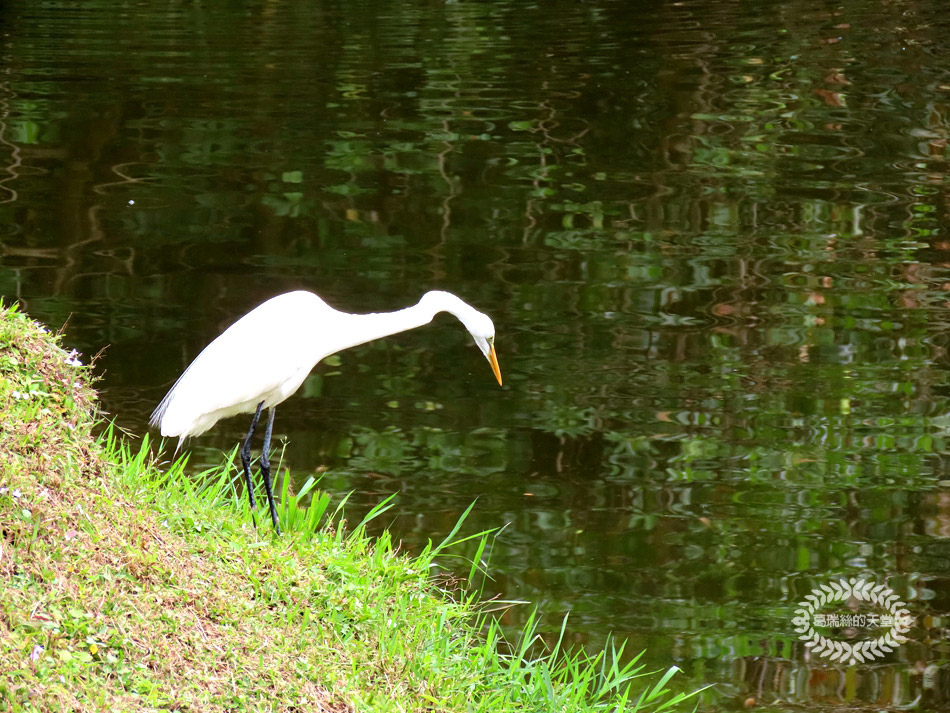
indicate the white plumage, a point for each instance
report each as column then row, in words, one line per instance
column 264, row 357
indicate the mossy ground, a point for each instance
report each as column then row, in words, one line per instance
column 128, row 586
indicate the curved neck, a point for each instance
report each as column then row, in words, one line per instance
column 362, row 328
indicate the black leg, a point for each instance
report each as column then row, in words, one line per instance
column 265, row 468
column 246, row 456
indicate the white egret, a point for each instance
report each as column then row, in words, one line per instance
column 264, row 357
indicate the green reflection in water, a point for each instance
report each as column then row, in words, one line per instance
column 712, row 238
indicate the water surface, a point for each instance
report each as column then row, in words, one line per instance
column 712, row 236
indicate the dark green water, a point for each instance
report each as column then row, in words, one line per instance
column 714, row 238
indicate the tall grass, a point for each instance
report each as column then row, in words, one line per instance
column 464, row 643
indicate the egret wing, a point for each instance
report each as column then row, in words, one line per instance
column 261, row 357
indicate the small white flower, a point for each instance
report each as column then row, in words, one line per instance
column 36, row 653
column 73, row 358
column 19, row 395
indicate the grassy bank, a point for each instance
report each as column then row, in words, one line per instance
column 128, row 586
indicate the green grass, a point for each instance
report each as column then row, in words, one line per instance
column 127, row 585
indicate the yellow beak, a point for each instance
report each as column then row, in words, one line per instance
column 493, row 360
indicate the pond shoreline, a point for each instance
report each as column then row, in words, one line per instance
column 126, row 584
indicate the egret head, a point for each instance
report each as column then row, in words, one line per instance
column 483, row 332
column 477, row 323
